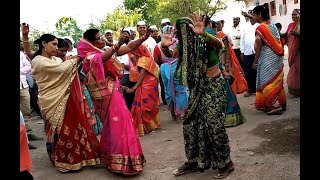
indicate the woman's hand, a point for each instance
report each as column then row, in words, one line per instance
column 25, row 29
column 166, row 39
column 254, row 66
column 199, row 24
column 129, row 90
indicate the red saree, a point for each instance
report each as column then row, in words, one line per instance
column 239, row 84
column 293, row 78
column 77, row 144
column 145, row 107
column 71, row 142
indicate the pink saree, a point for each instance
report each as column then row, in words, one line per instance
column 293, row 78
column 119, row 144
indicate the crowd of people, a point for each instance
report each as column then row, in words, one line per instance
column 110, row 88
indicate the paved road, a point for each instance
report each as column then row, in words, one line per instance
column 264, row 147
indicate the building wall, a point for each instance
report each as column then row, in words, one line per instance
column 284, row 19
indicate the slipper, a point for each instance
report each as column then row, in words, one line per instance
column 184, row 169
column 224, row 174
column 274, row 112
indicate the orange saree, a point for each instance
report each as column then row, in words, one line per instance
column 145, row 107
column 233, row 67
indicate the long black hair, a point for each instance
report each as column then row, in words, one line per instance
column 90, row 34
column 261, row 10
column 46, row 38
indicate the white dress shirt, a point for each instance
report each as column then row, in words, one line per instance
column 248, row 38
column 150, row 43
column 125, row 60
column 235, row 34
column 25, row 68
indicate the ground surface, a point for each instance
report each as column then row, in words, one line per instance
column 264, row 147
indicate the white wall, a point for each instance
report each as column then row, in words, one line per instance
column 286, row 19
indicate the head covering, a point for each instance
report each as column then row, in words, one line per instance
column 126, row 30
column 251, row 7
column 165, row 29
column 108, row 31
column 132, row 29
column 154, row 27
column 85, row 47
column 141, row 23
column 69, row 37
column 165, row 20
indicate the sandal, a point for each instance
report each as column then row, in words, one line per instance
column 247, row 94
column 186, row 168
column 274, row 112
column 62, row 170
column 224, row 173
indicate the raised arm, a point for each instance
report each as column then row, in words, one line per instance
column 198, row 28
column 25, row 40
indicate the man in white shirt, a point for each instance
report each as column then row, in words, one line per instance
column 235, row 34
column 150, row 43
column 109, row 36
column 125, row 81
column 248, row 53
column 25, row 68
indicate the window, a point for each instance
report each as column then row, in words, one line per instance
column 273, row 8
column 284, row 1
column 296, row 1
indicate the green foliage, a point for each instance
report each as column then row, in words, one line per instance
column 67, row 26
column 119, row 19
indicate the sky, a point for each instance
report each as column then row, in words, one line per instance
column 43, row 14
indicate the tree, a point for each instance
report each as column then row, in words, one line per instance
column 147, row 8
column 67, row 26
column 119, row 19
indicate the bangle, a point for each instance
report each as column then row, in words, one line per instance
column 115, row 47
column 26, row 41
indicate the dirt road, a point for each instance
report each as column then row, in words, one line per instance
column 264, row 147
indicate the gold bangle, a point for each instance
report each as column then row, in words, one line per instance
column 25, row 41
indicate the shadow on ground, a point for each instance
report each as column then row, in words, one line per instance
column 282, row 137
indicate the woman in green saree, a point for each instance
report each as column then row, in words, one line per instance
column 205, row 136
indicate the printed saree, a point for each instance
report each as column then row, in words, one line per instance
column 71, row 142
column 146, row 103
column 205, row 137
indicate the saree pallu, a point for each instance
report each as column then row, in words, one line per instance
column 270, row 91
column 233, row 67
column 76, row 145
column 120, row 146
column 25, row 158
column 293, row 78
column 146, row 103
column 92, row 117
column 71, row 142
column 234, row 115
column 176, row 94
column 205, row 136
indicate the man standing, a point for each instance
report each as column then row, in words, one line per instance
column 125, row 79
column 150, row 43
column 109, row 36
column 247, row 53
column 235, row 34
column 154, row 33
column 25, row 68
